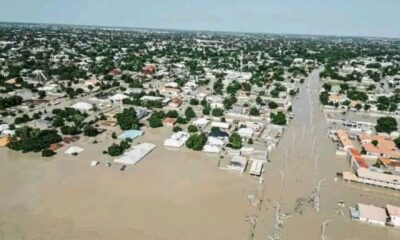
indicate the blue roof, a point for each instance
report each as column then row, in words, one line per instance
column 132, row 134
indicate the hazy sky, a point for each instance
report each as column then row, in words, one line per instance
column 328, row 17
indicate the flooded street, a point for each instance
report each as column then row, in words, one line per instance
column 181, row 194
column 301, row 193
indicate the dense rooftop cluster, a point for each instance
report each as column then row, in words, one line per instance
column 139, row 78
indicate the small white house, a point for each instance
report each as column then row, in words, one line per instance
column 118, row 97
column 371, row 214
column 82, row 106
column 246, row 132
column 211, row 149
column 74, row 150
column 201, row 123
column 177, row 139
column 394, row 215
column 259, row 155
column 237, row 164
column 256, row 168
column 213, row 145
column 4, row 127
column 136, row 154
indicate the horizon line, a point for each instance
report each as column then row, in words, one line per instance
column 202, row 30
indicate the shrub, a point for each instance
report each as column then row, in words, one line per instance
column 192, row 129
column 47, row 152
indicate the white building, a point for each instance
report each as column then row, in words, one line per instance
column 74, row 150
column 246, row 132
column 118, row 97
column 394, row 215
column 201, row 123
column 237, row 164
column 371, row 214
column 258, row 155
column 177, row 139
column 211, row 149
column 82, row 106
column 3, row 127
column 213, row 145
column 136, row 154
column 378, row 179
column 256, row 168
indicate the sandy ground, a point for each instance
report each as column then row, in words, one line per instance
column 306, row 156
column 168, row 195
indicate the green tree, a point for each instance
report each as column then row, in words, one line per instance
column 196, row 141
column 127, row 119
column 193, row 129
column 235, row 140
column 397, row 141
column 172, row 114
column 206, row 110
column 259, row 101
column 233, row 88
column 357, row 95
column 344, row 86
column 278, row 118
column 177, row 128
column 386, row 124
column 215, row 130
column 189, row 113
column 181, row 120
column 42, row 94
column 27, row 139
column 194, row 101
column 217, row 112
column 155, row 121
column 115, row 150
column 47, row 152
column 218, row 87
column 90, row 131
column 254, row 112
column 324, row 98
column 327, row 87
column 70, row 130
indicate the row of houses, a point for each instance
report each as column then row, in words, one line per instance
column 361, row 171
column 390, row 215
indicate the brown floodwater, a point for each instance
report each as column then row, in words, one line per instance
column 177, row 194
column 305, row 157
column 181, row 194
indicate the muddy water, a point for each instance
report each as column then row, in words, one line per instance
column 183, row 195
column 169, row 195
column 304, row 159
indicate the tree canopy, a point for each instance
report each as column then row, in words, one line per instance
column 189, row 113
column 386, row 124
column 278, row 118
column 27, row 139
column 196, row 141
column 235, row 140
column 127, row 119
